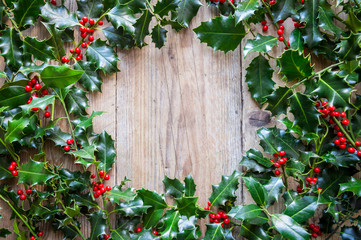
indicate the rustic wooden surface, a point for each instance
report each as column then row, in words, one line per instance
column 181, row 110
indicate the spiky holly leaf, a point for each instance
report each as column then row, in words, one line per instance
column 142, row 28
column 33, row 173
column 294, row 168
column 152, row 217
column 257, row 155
column 59, row 16
column 352, row 22
column 187, row 206
column 133, row 208
column 274, row 188
column 173, row 187
column 244, row 212
column 84, row 122
column 85, row 153
column 40, row 103
column 225, row 190
column 296, row 41
column 15, row 129
column 103, row 56
column 135, row 5
column 191, row 233
column 20, row 233
column 162, row 8
column 116, row 195
column 294, row 66
column 288, row 227
column 335, row 89
column 105, row 151
column 55, row 41
column 259, row 44
column 118, row 37
column 90, row 8
column 76, row 101
column 283, row 10
column 252, row 165
column 214, row 231
column 120, row 234
column 4, row 171
column 340, row 159
column 274, row 140
column 97, row 223
column 349, row 48
column 152, row 199
column 331, row 179
column 170, row 221
column 190, row 186
column 90, row 79
column 278, row 101
column 39, row 49
column 26, row 12
column 301, row 209
column 246, row 9
column 57, row 136
column 326, row 15
column 259, row 78
column 159, row 36
column 354, row 186
column 186, row 11
column 350, row 233
column 253, row 232
column 13, row 95
column 221, row 33
column 122, row 16
column 309, row 15
column 60, row 76
column 10, row 47
column 257, row 190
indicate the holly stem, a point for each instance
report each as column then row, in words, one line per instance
column 78, row 230
column 107, row 214
column 151, row 9
column 14, row 155
column 344, row 132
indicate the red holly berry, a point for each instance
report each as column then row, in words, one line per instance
column 102, row 190
column 71, row 51
column 45, row 92
column 342, row 139
column 138, row 230
column 29, row 191
column 84, row 45
column 282, row 153
column 66, row 148
column 282, row 27
column 211, row 220
column 91, row 38
column 316, row 170
column 312, row 182
column 277, row 172
column 47, row 114
column 11, row 167
column 340, row 134
column 106, row 177
column 281, row 21
column 85, row 19
column 93, row 175
column 22, row 197
column 319, row 189
column 155, row 232
column 28, row 88
column 358, row 143
column 351, row 150
column 83, row 35
column 315, row 180
column 68, row 141
column 345, row 122
column 209, row 203
column 224, row 215
column 53, row 2
column 14, row 164
column 272, row 2
column 226, row 221
column 99, row 192
column 264, row 22
column 100, row 22
column 282, row 161
column 100, row 186
column 342, row 146
column 281, row 39
column 277, row 165
column 308, row 179
column 19, row 192
column 106, row 236
column 91, row 21
column 40, row 234
column 108, row 188
column 95, row 188
column 314, row 235
column 343, row 114
column 14, row 173
column 78, row 58
column 218, row 216
column 337, row 142
column 206, row 208
column 96, row 195
column 101, row 173
column 279, row 32
column 265, row 28
column 32, row 238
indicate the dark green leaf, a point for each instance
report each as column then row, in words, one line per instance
column 214, row 232
column 278, row 101
column 294, row 66
column 349, row 48
column 274, row 188
column 340, row 159
column 350, row 233
column 60, row 76
column 252, row 165
column 55, row 41
column 221, row 33
column 257, row 155
column 244, row 212
column 283, row 10
column 58, row 15
column 85, row 153
column 309, row 15
column 187, row 10
column 294, row 168
column 253, row 232
column 152, row 217
column 296, row 41
column 171, row 225
column 39, row 49
column 245, row 10
column 90, row 79
column 354, row 186
column 259, row 78
column 15, row 129
column 259, row 44
column 257, row 190
column 90, row 8
column 225, row 190
column 289, row 228
column 40, row 103
column 187, row 206
column 190, row 186
column 352, row 22
column 13, row 96
column 103, row 56
column 105, row 151
column 27, row 11
column 162, row 8
column 120, row 234
column 76, row 101
column 10, row 47
column 142, row 28
column 326, row 16
column 57, row 136
column 173, row 187
column 118, row 37
column 116, row 195
column 302, row 209
column 122, row 16
column 135, row 5
column 159, row 36
column 33, row 173
column 152, row 198
column 84, row 122
column 133, row 208
column 98, row 224
column 331, row 178
column 4, row 171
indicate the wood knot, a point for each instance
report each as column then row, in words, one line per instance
column 259, row 118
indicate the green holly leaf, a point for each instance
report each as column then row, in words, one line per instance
column 225, row 190
column 244, row 212
column 252, row 165
column 162, row 8
column 350, row 233
column 15, row 129
column 296, row 41
column 301, row 209
column 278, row 101
column 152, row 198
column 135, row 5
column 190, row 186
column 119, row 37
column 331, row 178
column 294, row 168
column 309, row 15
column 326, row 15
column 120, row 234
column 152, row 217
column 221, row 33
column 259, row 78
column 84, row 122
column 187, row 206
column 59, row 16
column 10, row 47
column 245, row 10
column 105, row 151
column 186, row 11
column 55, row 41
column 288, row 227
column 170, row 221
column 259, row 44
column 257, row 190
column 334, row 88
column 13, row 95
column 133, row 208
column 354, row 186
column 85, row 153
column 39, row 49
column 116, row 195
column 90, row 8
column 57, row 136
column 283, row 10
column 97, row 223
column 253, row 232
column 294, row 66
column 90, row 79
column 214, row 232
column 340, row 159
column 20, row 233
column 40, row 103
column 159, row 36
column 103, row 56
column 257, row 155
column 142, row 28
column 33, row 173
column 274, row 140
column 274, row 188
column 122, row 16
column 173, row 187
column 349, row 48
column 4, row 171
column 76, row 101
column 26, row 12
column 193, row 233
column 59, row 76
column 352, row 22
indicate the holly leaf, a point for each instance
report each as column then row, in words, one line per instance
column 309, row 15
column 274, row 188
column 283, row 10
column 122, row 16
column 84, row 122
column 90, row 79
column 59, row 16
column 294, row 168
column 159, row 36
column 331, row 178
column 221, row 33
column 76, row 101
column 352, row 22
column 252, row 165
column 116, row 195
column 326, row 16
column 103, row 56
column 186, row 10
column 152, row 199
column 301, row 209
column 55, row 41
column 354, row 186
column 350, row 233
column 142, row 28
column 33, row 173
column 294, row 66
column 85, row 153
column 26, row 12
column 133, row 208
column 57, row 136
column 245, row 10
column 39, row 49
column 259, row 78
column 340, row 159
column 90, row 8
column 214, row 231
column 105, row 151
column 349, row 48
column 170, row 220
column 288, row 227
column 259, row 44
column 152, row 217
column 15, row 129
column 10, row 47
column 135, row 5
column 4, row 171
column 225, row 190
column 187, row 206
column 98, row 224
column 13, row 95
column 244, row 212
column 296, row 41
column 40, row 103
column 335, row 89
column 253, row 232
column 257, row 190
column 278, row 101
column 118, row 37
column 190, row 186
column 59, row 76
column 257, row 155
column 173, row 187
column 162, row 8
column 120, row 234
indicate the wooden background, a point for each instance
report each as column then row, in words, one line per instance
column 181, row 110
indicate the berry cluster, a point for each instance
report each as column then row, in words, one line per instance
column 34, row 85
column 138, row 230
column 70, row 142
column 40, row 234
column 316, row 230
column 12, row 168
column 98, row 188
column 281, row 161
column 22, row 195
column 218, row 217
